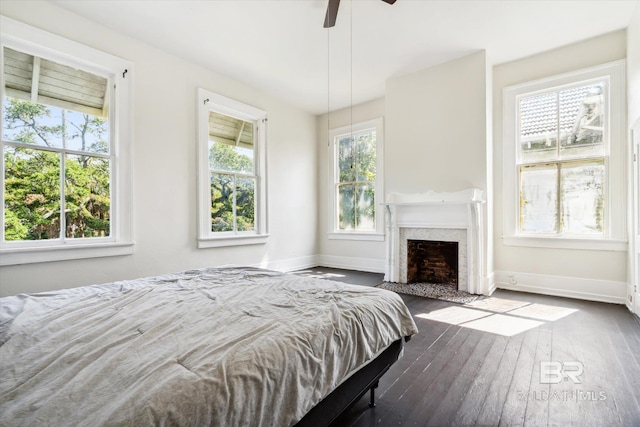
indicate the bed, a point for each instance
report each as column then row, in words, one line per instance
column 214, row 346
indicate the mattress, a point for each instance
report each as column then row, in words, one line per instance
column 215, row 346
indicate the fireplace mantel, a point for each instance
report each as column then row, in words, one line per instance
column 445, row 215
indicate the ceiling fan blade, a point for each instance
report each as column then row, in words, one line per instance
column 332, row 13
column 389, row 1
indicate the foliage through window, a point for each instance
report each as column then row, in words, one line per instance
column 357, row 177
column 231, row 164
column 562, row 149
column 356, row 158
column 233, row 178
column 57, row 152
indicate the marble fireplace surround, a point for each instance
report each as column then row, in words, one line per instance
column 436, row 216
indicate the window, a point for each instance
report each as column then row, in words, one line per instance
column 65, row 162
column 356, row 181
column 564, row 144
column 231, row 149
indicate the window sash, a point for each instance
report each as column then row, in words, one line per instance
column 235, row 176
column 354, row 132
column 554, row 161
column 341, row 180
column 354, row 207
column 559, row 147
column 234, row 234
column 561, row 205
column 64, row 155
column 614, row 236
column 34, row 41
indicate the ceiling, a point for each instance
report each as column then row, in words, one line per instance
column 280, row 46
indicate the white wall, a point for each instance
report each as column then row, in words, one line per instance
column 438, row 133
column 360, row 255
column 633, row 118
column 436, row 128
column 633, row 66
column 588, row 273
column 164, row 169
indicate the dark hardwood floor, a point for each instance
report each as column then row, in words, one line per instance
column 481, row 364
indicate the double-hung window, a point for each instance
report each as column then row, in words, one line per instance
column 564, row 144
column 65, row 182
column 231, row 155
column 356, row 154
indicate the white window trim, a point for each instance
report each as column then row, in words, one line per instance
column 374, row 235
column 210, row 101
column 615, row 238
column 35, row 41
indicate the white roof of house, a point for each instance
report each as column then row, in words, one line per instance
column 539, row 113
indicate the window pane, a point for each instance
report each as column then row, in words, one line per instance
column 38, row 124
column 32, row 194
column 538, row 131
column 366, row 156
column 231, row 144
column 538, row 198
column 346, row 160
column 225, row 157
column 245, row 206
column 365, row 208
column 582, row 118
column 31, row 123
column 583, row 197
column 87, row 197
column 222, row 186
column 346, row 207
column 84, row 132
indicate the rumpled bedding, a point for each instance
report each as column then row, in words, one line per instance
column 215, row 347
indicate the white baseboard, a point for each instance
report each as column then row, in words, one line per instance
column 490, row 284
column 571, row 287
column 371, row 265
column 291, row 264
column 347, row 263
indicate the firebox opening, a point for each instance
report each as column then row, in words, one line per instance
column 431, row 261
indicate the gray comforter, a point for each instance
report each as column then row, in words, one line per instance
column 222, row 347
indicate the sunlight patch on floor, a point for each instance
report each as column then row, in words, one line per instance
column 503, row 325
column 543, row 312
column 319, row 274
column 454, row 315
column 499, row 316
column 497, row 305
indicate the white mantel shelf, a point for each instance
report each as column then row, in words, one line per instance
column 452, row 213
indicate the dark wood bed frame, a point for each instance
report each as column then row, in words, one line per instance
column 350, row 391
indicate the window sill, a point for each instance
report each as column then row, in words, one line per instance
column 17, row 256
column 375, row 237
column 219, row 242
column 567, row 243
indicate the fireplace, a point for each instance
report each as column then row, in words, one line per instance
column 455, row 220
column 430, row 261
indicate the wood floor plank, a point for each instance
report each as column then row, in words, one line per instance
column 462, row 384
column 491, row 410
column 482, row 398
column 453, row 375
column 412, row 393
column 433, row 387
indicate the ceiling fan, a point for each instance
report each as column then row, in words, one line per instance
column 332, row 12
